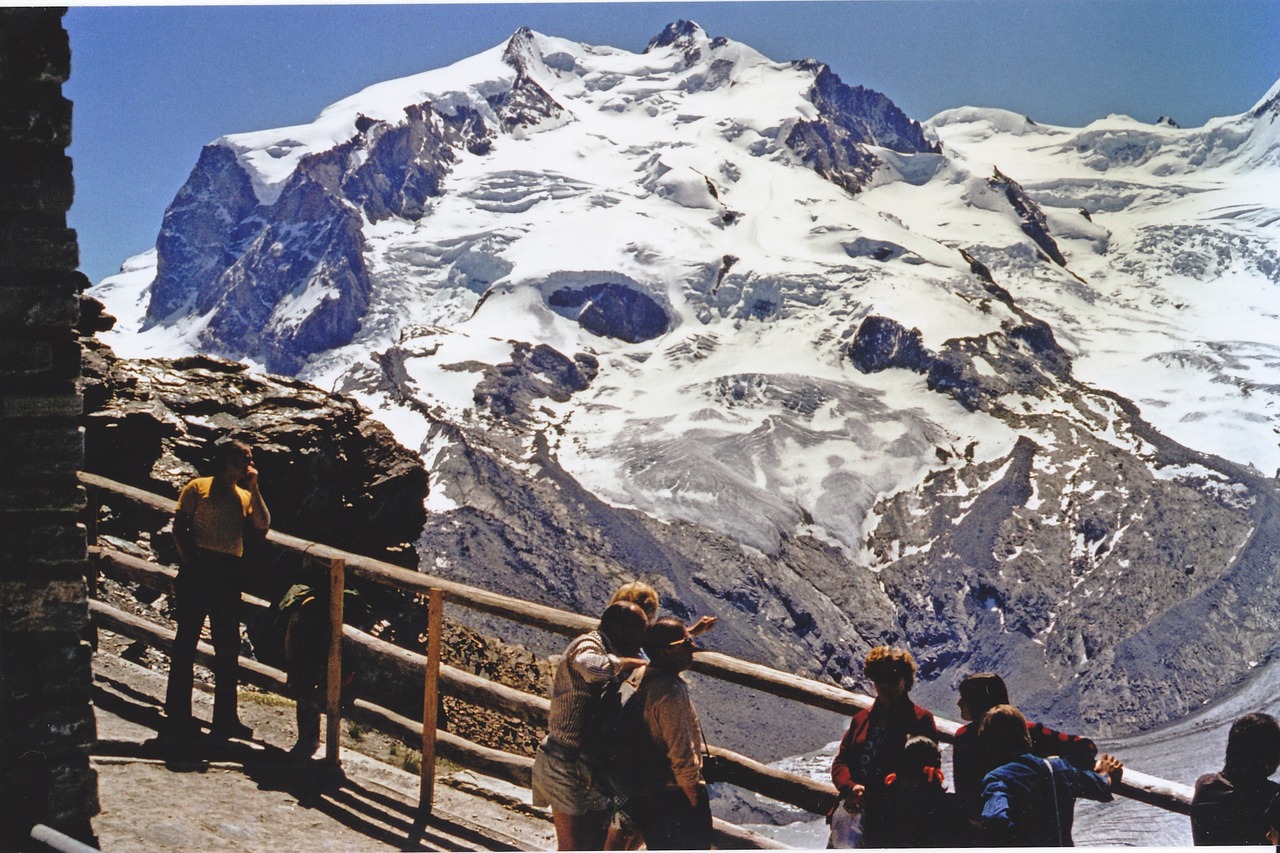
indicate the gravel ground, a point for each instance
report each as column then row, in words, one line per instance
column 249, row 795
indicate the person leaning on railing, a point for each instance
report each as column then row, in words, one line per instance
column 1028, row 800
column 209, row 531
column 562, row 775
column 979, row 693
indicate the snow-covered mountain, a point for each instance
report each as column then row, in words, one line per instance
column 1003, row 392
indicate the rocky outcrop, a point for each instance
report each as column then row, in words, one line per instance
column 851, row 118
column 526, row 104
column 1031, row 217
column 198, row 228
column 614, row 311
column 1058, row 566
column 683, row 35
column 881, row 343
column 282, row 281
column 328, row 471
column 1023, row 359
column 509, row 390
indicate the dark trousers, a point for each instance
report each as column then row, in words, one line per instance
column 668, row 822
column 208, row 585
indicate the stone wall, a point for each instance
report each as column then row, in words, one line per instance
column 46, row 719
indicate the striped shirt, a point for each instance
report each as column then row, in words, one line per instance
column 587, row 665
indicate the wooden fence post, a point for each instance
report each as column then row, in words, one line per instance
column 333, row 683
column 92, row 509
column 431, row 700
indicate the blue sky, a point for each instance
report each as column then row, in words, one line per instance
column 152, row 85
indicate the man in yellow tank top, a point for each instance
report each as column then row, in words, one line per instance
column 208, row 530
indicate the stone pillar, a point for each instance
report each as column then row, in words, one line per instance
column 46, row 719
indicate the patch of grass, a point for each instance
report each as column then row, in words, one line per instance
column 411, row 762
column 271, row 700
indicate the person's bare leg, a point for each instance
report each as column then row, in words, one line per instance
column 579, row 832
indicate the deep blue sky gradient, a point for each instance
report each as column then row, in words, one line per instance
column 152, row 85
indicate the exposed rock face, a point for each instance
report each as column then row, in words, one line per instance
column 851, row 118
column 614, row 311
column 881, row 343
column 1031, row 565
column 198, row 224
column 682, row 34
column 1029, row 360
column 1034, row 224
column 329, row 472
column 288, row 279
column 508, row 390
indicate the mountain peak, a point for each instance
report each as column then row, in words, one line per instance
column 677, row 33
column 522, row 52
column 1270, row 102
column 682, row 35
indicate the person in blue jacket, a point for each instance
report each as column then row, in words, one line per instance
column 1029, row 801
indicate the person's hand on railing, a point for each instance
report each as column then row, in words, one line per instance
column 1110, row 767
column 852, row 801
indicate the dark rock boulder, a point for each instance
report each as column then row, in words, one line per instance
column 509, row 390
column 614, row 311
column 1025, row 356
column 881, row 343
column 329, row 472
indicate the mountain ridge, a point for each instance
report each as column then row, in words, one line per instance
column 753, row 334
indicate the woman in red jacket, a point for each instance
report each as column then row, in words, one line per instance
column 872, row 746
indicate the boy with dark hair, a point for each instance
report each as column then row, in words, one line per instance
column 562, row 773
column 1229, row 807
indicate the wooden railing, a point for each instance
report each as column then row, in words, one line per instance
column 724, row 766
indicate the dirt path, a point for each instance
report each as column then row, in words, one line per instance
column 250, row 796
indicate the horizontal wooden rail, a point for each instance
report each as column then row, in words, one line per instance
column 551, row 619
column 725, row 766
column 1151, row 790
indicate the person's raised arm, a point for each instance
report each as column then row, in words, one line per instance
column 259, row 515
